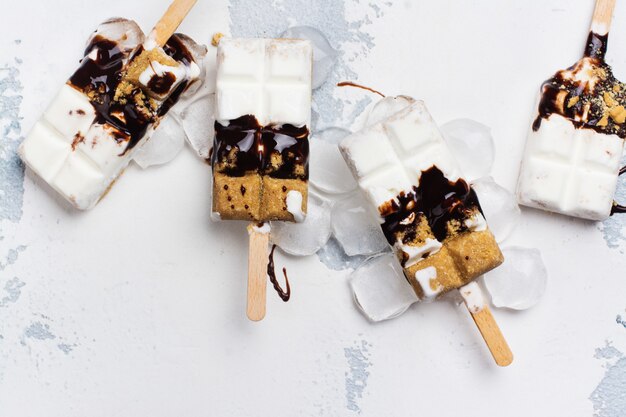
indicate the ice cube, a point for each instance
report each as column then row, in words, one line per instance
column 198, row 121
column 355, row 227
column 324, row 55
column 329, row 172
column 520, row 281
column 499, row 206
column 306, row 238
column 164, row 144
column 379, row 288
column 125, row 32
column 334, row 257
column 472, row 145
column 387, row 107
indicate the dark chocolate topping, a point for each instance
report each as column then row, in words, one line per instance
column 283, row 294
column 99, row 78
column 161, row 84
column 437, row 199
column 246, row 146
column 592, row 103
column 596, row 45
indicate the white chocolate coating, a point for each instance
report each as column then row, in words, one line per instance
column 267, row 78
column 568, row 170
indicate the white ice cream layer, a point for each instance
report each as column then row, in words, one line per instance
column 389, row 156
column 473, row 297
column 267, row 78
column 416, row 253
column 476, row 223
column 294, row 205
column 156, row 69
column 568, row 170
column 424, row 278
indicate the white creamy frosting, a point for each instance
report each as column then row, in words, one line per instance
column 264, row 228
column 416, row 253
column 476, row 223
column 473, row 297
column 424, row 277
column 294, row 205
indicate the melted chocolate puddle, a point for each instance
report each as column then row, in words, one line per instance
column 351, row 84
column 284, row 294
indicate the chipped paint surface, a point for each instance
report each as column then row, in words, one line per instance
column 614, row 228
column 358, row 358
column 609, row 397
column 11, row 167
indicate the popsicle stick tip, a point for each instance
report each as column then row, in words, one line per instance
column 173, row 17
column 602, row 16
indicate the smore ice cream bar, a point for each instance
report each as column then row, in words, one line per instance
column 430, row 216
column 107, row 109
column 261, row 149
column 574, row 147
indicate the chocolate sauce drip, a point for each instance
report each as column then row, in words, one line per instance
column 99, row 78
column 596, row 45
column 283, row 294
column 176, row 48
column 437, row 199
column 617, row 208
column 244, row 146
column 161, row 84
column 581, row 102
column 178, row 51
column 362, row 87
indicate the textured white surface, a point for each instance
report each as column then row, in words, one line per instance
column 149, row 294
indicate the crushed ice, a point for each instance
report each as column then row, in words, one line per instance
column 308, row 237
column 164, row 144
column 379, row 288
column 355, row 227
column 520, row 282
column 499, row 206
column 330, row 173
column 472, row 145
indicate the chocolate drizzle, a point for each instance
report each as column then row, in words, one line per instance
column 441, row 202
column 283, row 294
column 161, row 84
column 99, row 77
column 580, row 92
column 245, row 146
column 596, row 45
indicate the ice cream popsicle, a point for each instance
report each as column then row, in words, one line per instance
column 124, row 86
column 429, row 214
column 574, row 147
column 261, row 151
column 260, row 155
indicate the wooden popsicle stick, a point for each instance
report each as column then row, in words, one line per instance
column 475, row 303
column 257, row 271
column 170, row 21
column 602, row 16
